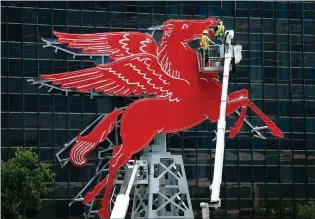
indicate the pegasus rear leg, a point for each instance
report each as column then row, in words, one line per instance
column 240, row 121
column 85, row 144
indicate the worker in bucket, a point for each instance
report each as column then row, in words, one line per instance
column 204, row 47
column 218, row 33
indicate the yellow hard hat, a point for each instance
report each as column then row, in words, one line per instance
column 205, row 31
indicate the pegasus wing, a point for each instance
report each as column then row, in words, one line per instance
column 133, row 75
column 117, row 44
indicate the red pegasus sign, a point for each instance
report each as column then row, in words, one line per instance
column 183, row 98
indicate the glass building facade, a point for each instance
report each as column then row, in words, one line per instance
column 261, row 178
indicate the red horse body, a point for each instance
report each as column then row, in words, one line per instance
column 183, row 98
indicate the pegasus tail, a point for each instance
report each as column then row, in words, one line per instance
column 85, row 144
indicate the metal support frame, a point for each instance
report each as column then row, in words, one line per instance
column 167, row 195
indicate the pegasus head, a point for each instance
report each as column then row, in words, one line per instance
column 186, row 30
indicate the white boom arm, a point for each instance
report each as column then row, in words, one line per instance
column 122, row 201
column 219, row 150
column 230, row 51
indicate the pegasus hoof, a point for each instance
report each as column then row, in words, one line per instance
column 103, row 213
column 233, row 132
column 277, row 132
column 88, row 198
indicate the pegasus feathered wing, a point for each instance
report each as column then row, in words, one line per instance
column 117, row 44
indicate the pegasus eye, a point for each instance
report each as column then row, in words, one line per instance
column 185, row 26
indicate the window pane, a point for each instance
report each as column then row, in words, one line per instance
column 214, row 9
column 285, row 125
column 270, row 74
column 273, row 174
column 75, row 104
column 14, row 15
column 88, row 18
column 309, row 108
column 255, row 26
column 145, row 7
column 283, row 59
column 75, row 121
column 30, row 103
column 46, row 121
column 245, row 173
column 269, row 42
column 4, row 102
column 282, row 26
column 256, row 91
column 29, row 16
column 282, row 10
column 15, row 102
column 30, row 33
column 60, row 17
column 228, row 8
column 309, row 60
column 310, row 125
column 297, row 75
column 61, row 121
column 256, row 74
column 299, row 174
column 44, row 16
column 46, row 138
column 300, row 190
column 243, row 40
column 283, row 43
column 255, row 9
column 241, row 25
column 297, row 108
column 297, row 92
column 131, row 20
column 61, row 103
column 270, row 91
column 241, row 9
column 31, row 120
column 15, row 85
column 16, row 138
column 284, row 91
column 269, row 9
column 231, row 174
column 31, row 138
column 74, row 17
column 145, row 20
column 296, row 60
column 102, row 19
column 311, row 174
column 296, row 42
column 309, row 27
column 259, row 173
column 15, row 32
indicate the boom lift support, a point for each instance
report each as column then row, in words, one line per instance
column 159, row 180
column 227, row 51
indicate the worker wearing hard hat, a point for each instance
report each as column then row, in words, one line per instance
column 204, row 43
column 219, row 33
